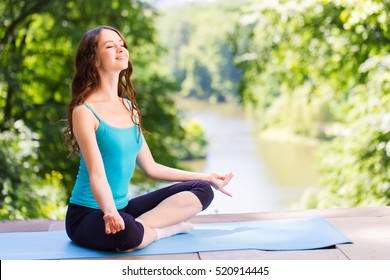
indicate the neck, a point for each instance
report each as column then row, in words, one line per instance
column 108, row 90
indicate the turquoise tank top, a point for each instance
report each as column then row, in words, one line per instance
column 119, row 148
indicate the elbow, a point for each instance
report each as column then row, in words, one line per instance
column 96, row 178
column 151, row 171
column 151, row 175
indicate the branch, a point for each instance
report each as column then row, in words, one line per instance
column 34, row 9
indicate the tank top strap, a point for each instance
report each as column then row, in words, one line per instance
column 92, row 110
column 129, row 103
column 132, row 111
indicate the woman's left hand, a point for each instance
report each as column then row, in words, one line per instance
column 219, row 182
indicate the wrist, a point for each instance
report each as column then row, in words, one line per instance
column 109, row 211
column 207, row 177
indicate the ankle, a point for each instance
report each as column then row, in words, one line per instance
column 168, row 231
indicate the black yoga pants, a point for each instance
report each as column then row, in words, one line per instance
column 85, row 226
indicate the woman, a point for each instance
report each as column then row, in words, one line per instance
column 104, row 126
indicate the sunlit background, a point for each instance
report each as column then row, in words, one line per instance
column 291, row 96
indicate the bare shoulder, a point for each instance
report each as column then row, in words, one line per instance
column 81, row 111
column 82, row 115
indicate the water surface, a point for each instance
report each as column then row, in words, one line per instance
column 259, row 185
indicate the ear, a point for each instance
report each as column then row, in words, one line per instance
column 97, row 63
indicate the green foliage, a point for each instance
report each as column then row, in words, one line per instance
column 356, row 165
column 38, row 40
column 24, row 193
column 199, row 55
column 308, row 65
column 194, row 144
column 314, row 68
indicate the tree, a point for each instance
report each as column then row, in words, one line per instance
column 199, row 56
column 38, row 40
column 310, row 65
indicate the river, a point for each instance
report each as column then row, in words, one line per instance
column 268, row 175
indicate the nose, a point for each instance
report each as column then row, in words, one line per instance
column 119, row 48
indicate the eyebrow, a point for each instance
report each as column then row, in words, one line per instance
column 112, row 41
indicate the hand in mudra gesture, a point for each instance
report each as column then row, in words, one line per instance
column 113, row 222
column 219, row 182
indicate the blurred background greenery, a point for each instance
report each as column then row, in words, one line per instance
column 308, row 71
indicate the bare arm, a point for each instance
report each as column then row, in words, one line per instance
column 84, row 126
column 158, row 171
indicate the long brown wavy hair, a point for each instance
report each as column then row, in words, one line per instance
column 87, row 79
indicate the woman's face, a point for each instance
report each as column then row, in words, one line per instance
column 111, row 52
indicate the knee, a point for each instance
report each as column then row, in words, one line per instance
column 131, row 237
column 204, row 192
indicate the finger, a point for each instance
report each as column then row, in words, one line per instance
column 120, row 223
column 226, row 178
column 108, row 229
column 109, row 223
column 224, row 182
column 225, row 192
column 119, row 226
column 114, row 227
column 229, row 176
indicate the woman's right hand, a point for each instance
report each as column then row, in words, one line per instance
column 113, row 222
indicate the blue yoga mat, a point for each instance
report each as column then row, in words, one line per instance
column 289, row 234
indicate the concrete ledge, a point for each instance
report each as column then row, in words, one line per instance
column 368, row 228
